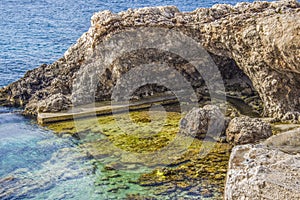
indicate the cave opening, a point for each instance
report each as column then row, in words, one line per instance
column 241, row 96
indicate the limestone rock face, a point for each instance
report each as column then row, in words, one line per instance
column 56, row 102
column 261, row 38
column 244, row 130
column 293, row 117
column 258, row 172
column 199, row 121
column 288, row 142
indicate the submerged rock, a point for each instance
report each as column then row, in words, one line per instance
column 244, row 130
column 258, row 172
column 261, row 38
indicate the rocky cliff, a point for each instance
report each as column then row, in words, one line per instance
column 261, row 38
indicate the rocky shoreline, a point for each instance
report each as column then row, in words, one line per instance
column 256, row 47
column 260, row 38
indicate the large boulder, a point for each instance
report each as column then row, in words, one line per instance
column 244, row 130
column 199, row 121
column 258, row 172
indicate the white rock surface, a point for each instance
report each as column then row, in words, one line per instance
column 259, row 171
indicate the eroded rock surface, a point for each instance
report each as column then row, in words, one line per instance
column 288, row 142
column 260, row 172
column 262, row 38
column 245, row 130
column 202, row 122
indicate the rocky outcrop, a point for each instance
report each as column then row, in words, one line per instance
column 261, row 38
column 202, row 122
column 262, row 172
column 245, row 130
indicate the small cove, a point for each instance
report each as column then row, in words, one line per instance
column 77, row 166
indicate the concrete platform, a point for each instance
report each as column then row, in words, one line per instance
column 103, row 108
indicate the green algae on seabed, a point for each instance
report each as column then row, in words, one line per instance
column 140, row 136
column 189, row 175
column 192, row 175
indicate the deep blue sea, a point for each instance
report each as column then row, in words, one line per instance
column 33, row 32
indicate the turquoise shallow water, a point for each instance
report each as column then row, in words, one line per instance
column 33, row 157
column 19, row 145
column 34, row 162
column 38, row 164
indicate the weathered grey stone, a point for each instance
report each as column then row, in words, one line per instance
column 288, row 142
column 56, row 102
column 257, row 172
column 293, row 117
column 244, row 130
column 199, row 121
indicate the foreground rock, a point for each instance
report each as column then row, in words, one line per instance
column 245, row 130
column 261, row 38
column 258, row 172
column 270, row 170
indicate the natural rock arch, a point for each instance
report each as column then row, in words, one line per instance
column 261, row 37
column 236, row 82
